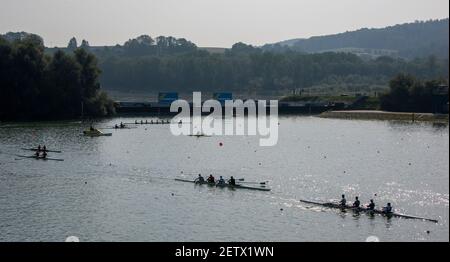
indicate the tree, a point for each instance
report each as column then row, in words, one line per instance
column 84, row 44
column 89, row 72
column 72, row 45
column 37, row 86
column 408, row 94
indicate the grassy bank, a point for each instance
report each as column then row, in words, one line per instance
column 383, row 115
column 368, row 103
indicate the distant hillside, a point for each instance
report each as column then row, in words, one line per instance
column 419, row 39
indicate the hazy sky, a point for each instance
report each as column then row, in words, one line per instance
column 217, row 23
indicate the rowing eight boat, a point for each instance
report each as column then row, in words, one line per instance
column 35, row 149
column 224, row 185
column 41, row 158
column 366, row 210
column 150, row 123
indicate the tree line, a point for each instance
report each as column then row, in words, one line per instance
column 248, row 69
column 409, row 94
column 34, row 85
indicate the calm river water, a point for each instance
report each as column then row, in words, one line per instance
column 121, row 188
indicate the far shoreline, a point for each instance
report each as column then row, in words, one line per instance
column 386, row 115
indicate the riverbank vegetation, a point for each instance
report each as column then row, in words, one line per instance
column 34, row 85
column 249, row 70
column 409, row 94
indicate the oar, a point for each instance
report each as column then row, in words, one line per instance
column 259, row 183
column 242, row 180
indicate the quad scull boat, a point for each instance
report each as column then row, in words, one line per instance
column 238, row 186
column 366, row 210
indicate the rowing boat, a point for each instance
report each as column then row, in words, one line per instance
column 366, row 210
column 95, row 133
column 41, row 158
column 150, row 123
column 126, row 127
column 200, row 135
column 41, row 150
column 237, row 186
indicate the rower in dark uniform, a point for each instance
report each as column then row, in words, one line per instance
column 122, row 125
column 387, row 209
column 211, row 179
column 116, row 126
column 36, row 154
column 221, row 181
column 200, row 179
column 39, row 148
column 357, row 203
column 343, row 201
column 232, row 181
column 371, row 206
column 44, row 149
column 44, row 154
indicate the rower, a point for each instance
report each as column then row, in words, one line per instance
column 232, row 181
column 146, row 122
column 357, row 203
column 180, row 122
column 136, row 122
column 39, row 148
column 221, row 181
column 211, row 179
column 343, row 201
column 37, row 153
column 44, row 154
column 44, row 149
column 371, row 206
column 142, row 122
column 122, row 125
column 387, row 209
column 91, row 128
column 199, row 179
column 116, row 126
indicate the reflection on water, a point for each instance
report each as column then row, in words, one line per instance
column 121, row 188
